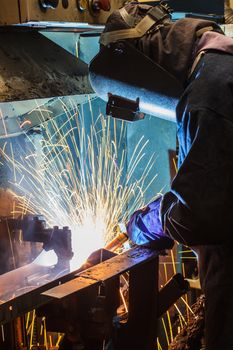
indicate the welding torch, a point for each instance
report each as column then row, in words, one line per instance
column 121, row 237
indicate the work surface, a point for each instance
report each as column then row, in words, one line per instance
column 32, row 285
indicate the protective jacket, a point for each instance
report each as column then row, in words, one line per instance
column 198, row 210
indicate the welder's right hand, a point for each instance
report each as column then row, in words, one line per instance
column 145, row 228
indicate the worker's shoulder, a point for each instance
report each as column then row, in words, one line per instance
column 196, row 24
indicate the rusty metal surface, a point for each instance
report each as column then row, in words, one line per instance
column 30, row 286
column 32, row 66
column 103, row 271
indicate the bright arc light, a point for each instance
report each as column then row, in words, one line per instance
column 87, row 237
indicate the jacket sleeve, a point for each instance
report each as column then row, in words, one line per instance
column 199, row 208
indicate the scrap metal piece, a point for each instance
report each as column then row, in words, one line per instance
column 171, row 292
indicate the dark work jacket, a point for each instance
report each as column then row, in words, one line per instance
column 199, row 208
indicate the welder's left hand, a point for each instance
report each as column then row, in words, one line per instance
column 145, row 227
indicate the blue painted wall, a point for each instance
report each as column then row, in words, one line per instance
column 161, row 135
column 162, row 138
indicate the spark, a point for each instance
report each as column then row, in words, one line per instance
column 186, row 296
column 173, row 262
column 31, row 329
column 50, row 341
column 183, row 314
column 60, row 336
column 187, row 305
column 170, row 325
column 3, row 333
column 158, row 344
column 125, row 280
column 123, row 300
column 185, row 251
column 3, row 122
column 165, row 271
column 165, row 331
column 77, row 177
column 26, row 122
column 11, row 246
column 180, row 314
column 175, row 164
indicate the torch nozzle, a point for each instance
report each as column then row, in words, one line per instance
column 117, row 241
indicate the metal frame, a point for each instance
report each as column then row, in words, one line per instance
column 139, row 332
column 68, row 284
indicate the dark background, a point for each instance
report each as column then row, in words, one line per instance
column 198, row 6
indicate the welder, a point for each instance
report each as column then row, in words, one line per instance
column 198, row 210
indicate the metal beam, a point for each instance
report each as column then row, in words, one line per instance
column 104, row 271
column 25, row 295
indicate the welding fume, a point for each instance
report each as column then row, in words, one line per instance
column 182, row 71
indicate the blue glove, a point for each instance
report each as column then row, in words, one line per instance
column 145, row 226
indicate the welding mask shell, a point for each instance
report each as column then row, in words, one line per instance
column 122, row 70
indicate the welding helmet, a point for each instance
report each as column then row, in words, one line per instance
column 129, row 80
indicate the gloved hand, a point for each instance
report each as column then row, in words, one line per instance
column 145, row 227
